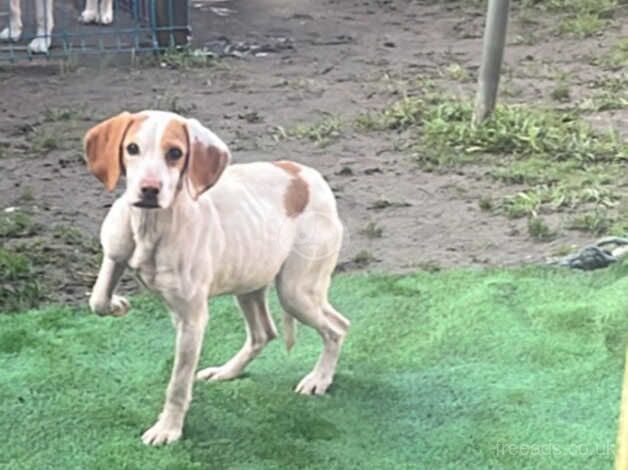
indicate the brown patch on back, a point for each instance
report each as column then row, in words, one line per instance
column 290, row 167
column 298, row 192
column 175, row 135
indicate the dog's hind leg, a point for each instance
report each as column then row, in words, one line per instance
column 302, row 287
column 13, row 32
column 260, row 329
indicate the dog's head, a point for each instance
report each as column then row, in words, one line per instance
column 159, row 152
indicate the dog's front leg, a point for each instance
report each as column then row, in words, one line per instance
column 190, row 322
column 103, row 301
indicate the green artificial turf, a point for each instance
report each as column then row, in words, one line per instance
column 458, row 369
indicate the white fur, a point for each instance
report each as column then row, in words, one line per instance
column 235, row 239
column 95, row 13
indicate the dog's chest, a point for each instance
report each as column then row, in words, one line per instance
column 154, row 268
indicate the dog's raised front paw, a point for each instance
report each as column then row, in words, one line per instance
column 12, row 34
column 313, row 383
column 39, row 45
column 162, row 432
column 118, row 307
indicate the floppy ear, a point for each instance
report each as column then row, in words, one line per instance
column 102, row 148
column 208, row 158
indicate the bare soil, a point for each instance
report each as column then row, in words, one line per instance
column 325, row 56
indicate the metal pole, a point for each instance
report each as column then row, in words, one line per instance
column 492, row 55
column 621, row 456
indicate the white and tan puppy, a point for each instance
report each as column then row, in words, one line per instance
column 194, row 227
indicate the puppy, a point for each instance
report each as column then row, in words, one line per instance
column 194, row 227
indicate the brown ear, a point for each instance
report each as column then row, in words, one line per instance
column 102, row 148
column 207, row 162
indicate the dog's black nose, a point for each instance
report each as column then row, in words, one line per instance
column 150, row 192
column 148, row 197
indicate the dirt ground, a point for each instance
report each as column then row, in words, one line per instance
column 327, row 56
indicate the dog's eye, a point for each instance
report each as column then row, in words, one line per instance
column 132, row 149
column 174, row 153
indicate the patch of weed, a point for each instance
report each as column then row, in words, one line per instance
column 372, row 230
column 597, row 221
column 18, row 285
column 322, row 132
column 539, row 230
column 18, row 225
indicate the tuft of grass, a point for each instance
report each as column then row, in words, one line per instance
column 186, row 58
column 581, row 18
column 597, row 222
column 617, row 56
column 61, row 114
column 486, row 203
column 18, row 225
column 582, row 25
column 42, row 143
column 372, row 230
column 363, row 258
column 539, row 230
column 18, row 284
column 610, row 93
column 457, row 72
column 552, row 198
column 561, row 92
column 400, row 115
column 519, row 131
column 322, row 132
column 516, row 360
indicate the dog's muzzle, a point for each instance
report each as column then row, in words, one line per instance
column 148, row 198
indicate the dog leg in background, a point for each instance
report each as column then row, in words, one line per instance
column 260, row 329
column 95, row 13
column 45, row 23
column 13, row 32
column 190, row 319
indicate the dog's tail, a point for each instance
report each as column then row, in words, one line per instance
column 289, row 330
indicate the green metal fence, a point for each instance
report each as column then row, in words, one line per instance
column 89, row 27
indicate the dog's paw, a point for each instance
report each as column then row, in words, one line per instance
column 218, row 373
column 162, row 432
column 106, row 17
column 39, row 45
column 313, row 383
column 117, row 307
column 88, row 16
column 120, row 306
column 12, row 34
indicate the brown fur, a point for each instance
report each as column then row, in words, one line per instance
column 175, row 135
column 103, row 146
column 205, row 167
column 298, row 193
column 290, row 167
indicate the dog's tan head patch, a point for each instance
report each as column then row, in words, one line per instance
column 298, row 192
column 175, row 136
